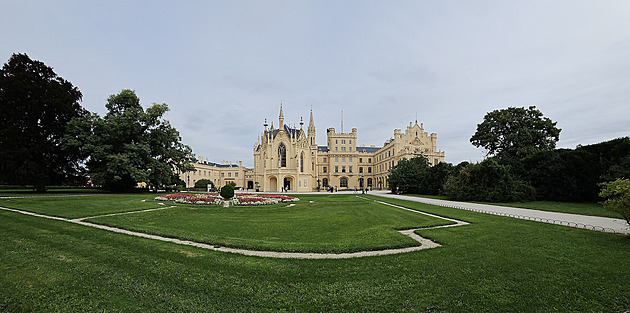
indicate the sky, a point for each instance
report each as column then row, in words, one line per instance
column 224, row 66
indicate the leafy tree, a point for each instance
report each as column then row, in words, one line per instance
column 203, row 183
column 575, row 174
column 130, row 145
column 407, row 175
column 487, row 181
column 435, row 177
column 35, row 106
column 617, row 194
column 516, row 133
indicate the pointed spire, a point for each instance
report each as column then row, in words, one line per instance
column 301, row 122
column 281, row 119
column 311, row 129
column 311, row 123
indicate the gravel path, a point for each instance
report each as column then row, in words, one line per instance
column 604, row 224
column 424, row 243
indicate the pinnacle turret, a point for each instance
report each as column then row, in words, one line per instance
column 311, row 129
column 281, row 118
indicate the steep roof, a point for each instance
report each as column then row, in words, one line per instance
column 292, row 132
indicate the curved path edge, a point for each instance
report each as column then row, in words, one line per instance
column 424, row 242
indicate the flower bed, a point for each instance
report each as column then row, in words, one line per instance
column 213, row 198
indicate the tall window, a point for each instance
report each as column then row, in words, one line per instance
column 302, row 162
column 343, row 182
column 282, row 156
column 325, row 169
column 325, row 182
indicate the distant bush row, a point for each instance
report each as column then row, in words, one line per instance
column 556, row 175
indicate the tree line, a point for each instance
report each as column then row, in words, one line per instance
column 522, row 164
column 47, row 138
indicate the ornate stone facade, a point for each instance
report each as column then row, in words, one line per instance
column 289, row 157
column 219, row 173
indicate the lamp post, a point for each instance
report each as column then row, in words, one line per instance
column 188, row 183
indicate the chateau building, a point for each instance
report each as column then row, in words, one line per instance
column 219, row 174
column 288, row 157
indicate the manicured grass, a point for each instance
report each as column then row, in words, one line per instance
column 495, row 264
column 83, row 205
column 594, row 209
column 49, row 192
column 428, row 196
column 337, row 223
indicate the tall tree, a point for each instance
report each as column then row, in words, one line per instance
column 129, row 144
column 516, row 133
column 487, row 181
column 35, row 107
column 407, row 176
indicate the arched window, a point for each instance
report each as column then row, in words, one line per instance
column 343, row 182
column 282, row 156
column 325, row 182
column 369, row 182
column 302, row 162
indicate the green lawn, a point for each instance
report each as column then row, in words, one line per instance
column 321, row 223
column 83, row 205
column 5, row 192
column 495, row 264
column 594, row 209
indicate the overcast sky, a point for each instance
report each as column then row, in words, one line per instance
column 225, row 66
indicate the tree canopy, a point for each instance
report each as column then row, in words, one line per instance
column 203, row 183
column 617, row 195
column 407, row 175
column 35, row 106
column 129, row 144
column 487, row 181
column 516, row 133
